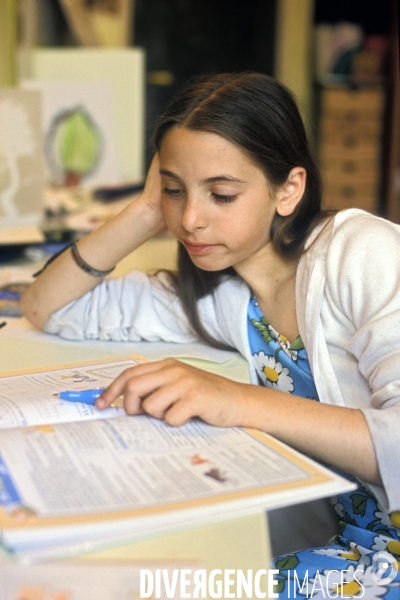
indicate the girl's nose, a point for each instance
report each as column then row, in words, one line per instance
column 193, row 216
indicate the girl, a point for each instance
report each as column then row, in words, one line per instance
column 311, row 300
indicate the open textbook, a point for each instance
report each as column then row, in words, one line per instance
column 74, row 478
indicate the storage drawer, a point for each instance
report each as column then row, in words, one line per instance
column 359, row 177
column 350, row 146
column 342, row 166
column 347, row 101
column 340, row 197
column 371, row 128
column 351, row 139
column 335, row 151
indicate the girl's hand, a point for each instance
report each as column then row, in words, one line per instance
column 176, row 392
column 171, row 390
column 63, row 281
column 151, row 196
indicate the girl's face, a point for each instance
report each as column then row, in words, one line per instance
column 216, row 201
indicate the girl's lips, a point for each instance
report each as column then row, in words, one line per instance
column 198, row 248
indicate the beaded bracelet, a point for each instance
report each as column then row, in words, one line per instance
column 48, row 262
column 84, row 266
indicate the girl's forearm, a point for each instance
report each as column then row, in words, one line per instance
column 63, row 281
column 338, row 436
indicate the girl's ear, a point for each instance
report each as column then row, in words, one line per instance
column 292, row 192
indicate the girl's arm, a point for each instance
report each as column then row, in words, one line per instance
column 177, row 392
column 63, row 281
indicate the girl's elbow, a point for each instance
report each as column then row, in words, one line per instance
column 30, row 312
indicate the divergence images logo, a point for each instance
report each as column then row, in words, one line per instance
column 384, row 567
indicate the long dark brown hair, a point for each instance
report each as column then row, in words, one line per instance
column 260, row 115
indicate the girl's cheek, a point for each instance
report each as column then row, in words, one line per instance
column 165, row 209
column 171, row 217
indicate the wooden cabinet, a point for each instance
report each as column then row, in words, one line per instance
column 350, row 146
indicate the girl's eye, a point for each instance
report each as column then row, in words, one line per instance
column 171, row 191
column 224, row 197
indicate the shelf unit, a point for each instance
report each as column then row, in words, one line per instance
column 357, row 121
column 350, row 145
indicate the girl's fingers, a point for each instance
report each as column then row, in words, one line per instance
column 170, row 401
column 134, row 384
column 158, row 402
column 176, row 392
column 180, row 413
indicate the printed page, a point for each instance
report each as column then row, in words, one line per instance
column 78, row 485
column 32, row 398
column 132, row 463
column 100, row 581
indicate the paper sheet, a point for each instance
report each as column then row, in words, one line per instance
column 132, row 463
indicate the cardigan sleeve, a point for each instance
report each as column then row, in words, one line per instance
column 363, row 279
column 141, row 307
column 137, row 307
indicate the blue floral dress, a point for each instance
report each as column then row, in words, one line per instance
column 363, row 561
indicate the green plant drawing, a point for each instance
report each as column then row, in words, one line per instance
column 74, row 145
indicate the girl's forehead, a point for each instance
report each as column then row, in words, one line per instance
column 186, row 150
column 181, row 133
column 183, row 142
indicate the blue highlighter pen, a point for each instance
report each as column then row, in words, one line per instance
column 85, row 396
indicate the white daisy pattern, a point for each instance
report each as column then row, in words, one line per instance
column 390, row 520
column 287, row 368
column 356, row 553
column 272, row 373
column 386, row 544
column 379, row 544
column 338, row 506
column 283, row 343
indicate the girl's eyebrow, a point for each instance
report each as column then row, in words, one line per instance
column 169, row 174
column 223, row 178
column 228, row 178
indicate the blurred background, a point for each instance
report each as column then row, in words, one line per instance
column 91, row 76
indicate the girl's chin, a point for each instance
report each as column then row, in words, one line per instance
column 207, row 262
column 209, row 265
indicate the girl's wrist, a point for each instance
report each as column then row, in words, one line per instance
column 142, row 211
